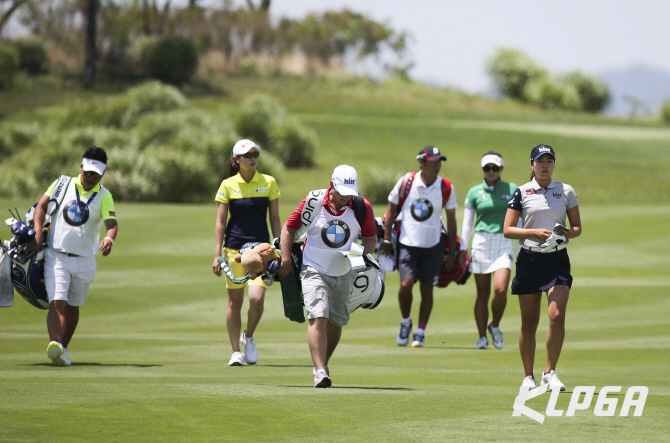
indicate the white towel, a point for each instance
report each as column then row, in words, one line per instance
column 6, row 287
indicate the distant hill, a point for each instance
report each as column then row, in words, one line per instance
column 649, row 85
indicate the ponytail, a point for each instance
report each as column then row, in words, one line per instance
column 233, row 166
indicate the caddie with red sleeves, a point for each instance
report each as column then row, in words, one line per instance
column 331, row 220
column 416, row 202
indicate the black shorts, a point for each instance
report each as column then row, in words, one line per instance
column 538, row 272
column 426, row 263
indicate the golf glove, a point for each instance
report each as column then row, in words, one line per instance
column 552, row 242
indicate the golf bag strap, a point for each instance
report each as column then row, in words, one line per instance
column 446, row 191
column 360, row 211
column 405, row 187
column 57, row 195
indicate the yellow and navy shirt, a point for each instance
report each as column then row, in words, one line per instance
column 107, row 211
column 248, row 206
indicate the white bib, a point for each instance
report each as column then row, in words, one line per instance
column 327, row 235
column 73, row 230
column 422, row 214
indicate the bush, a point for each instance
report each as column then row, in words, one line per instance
column 294, row 144
column 172, row 59
column 593, row 93
column 257, row 118
column 512, row 70
column 377, row 185
column 549, row 93
column 32, row 54
column 665, row 112
column 9, row 66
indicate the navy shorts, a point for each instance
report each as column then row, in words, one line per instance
column 538, row 272
column 426, row 263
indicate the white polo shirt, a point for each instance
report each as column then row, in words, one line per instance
column 421, row 214
column 542, row 208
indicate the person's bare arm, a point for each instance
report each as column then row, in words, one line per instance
column 38, row 223
column 112, row 230
column 219, row 232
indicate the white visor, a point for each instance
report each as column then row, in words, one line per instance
column 492, row 159
column 93, row 165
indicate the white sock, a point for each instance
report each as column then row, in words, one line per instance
column 406, row 321
column 420, row 331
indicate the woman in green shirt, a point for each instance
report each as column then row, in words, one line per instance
column 491, row 252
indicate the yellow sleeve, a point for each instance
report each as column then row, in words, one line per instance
column 274, row 193
column 223, row 194
column 51, row 188
column 107, row 207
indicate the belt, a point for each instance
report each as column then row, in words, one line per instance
column 68, row 254
column 539, row 249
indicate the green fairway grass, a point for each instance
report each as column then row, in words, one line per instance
column 151, row 350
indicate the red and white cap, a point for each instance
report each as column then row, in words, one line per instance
column 345, row 180
column 243, row 146
column 88, row 164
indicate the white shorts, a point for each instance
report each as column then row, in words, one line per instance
column 490, row 252
column 68, row 278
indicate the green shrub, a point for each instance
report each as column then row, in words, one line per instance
column 144, row 99
column 377, row 185
column 182, row 177
column 138, row 53
column 512, row 70
column 294, row 144
column 665, row 112
column 257, row 118
column 32, row 54
column 166, row 127
column 593, row 93
column 549, row 93
column 269, row 164
column 9, row 66
column 172, row 59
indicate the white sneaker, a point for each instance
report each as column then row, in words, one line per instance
column 67, row 355
column 496, row 335
column 528, row 382
column 552, row 380
column 236, row 359
column 250, row 351
column 55, row 353
column 321, row 379
column 482, row 343
column 419, row 341
column 327, row 371
column 403, row 336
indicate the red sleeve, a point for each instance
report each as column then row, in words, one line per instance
column 369, row 228
column 293, row 220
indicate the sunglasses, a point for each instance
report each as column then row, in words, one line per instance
column 493, row 168
column 92, row 174
column 251, row 155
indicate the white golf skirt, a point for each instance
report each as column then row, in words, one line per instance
column 490, row 252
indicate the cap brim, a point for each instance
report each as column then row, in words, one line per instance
column 98, row 167
column 345, row 190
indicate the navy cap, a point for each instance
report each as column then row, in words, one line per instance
column 430, row 153
column 541, row 149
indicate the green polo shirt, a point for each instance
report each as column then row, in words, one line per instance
column 490, row 206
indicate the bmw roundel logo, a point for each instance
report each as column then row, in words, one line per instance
column 74, row 215
column 335, row 233
column 421, row 209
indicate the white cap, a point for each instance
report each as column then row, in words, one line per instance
column 345, row 180
column 89, row 164
column 492, row 158
column 244, row 146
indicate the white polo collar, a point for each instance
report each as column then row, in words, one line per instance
column 536, row 185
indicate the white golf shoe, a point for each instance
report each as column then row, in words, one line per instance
column 528, row 382
column 67, row 355
column 482, row 343
column 327, row 371
column 321, row 379
column 419, row 341
column 250, row 351
column 55, row 353
column 236, row 359
column 552, row 380
column 496, row 335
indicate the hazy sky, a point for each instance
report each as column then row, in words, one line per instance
column 453, row 38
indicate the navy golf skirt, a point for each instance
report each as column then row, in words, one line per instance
column 538, row 272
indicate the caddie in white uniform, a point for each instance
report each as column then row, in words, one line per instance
column 82, row 206
column 332, row 221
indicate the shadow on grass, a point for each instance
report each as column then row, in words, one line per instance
column 374, row 388
column 96, row 364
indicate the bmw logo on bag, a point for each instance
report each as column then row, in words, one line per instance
column 421, row 209
column 74, row 215
column 335, row 233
